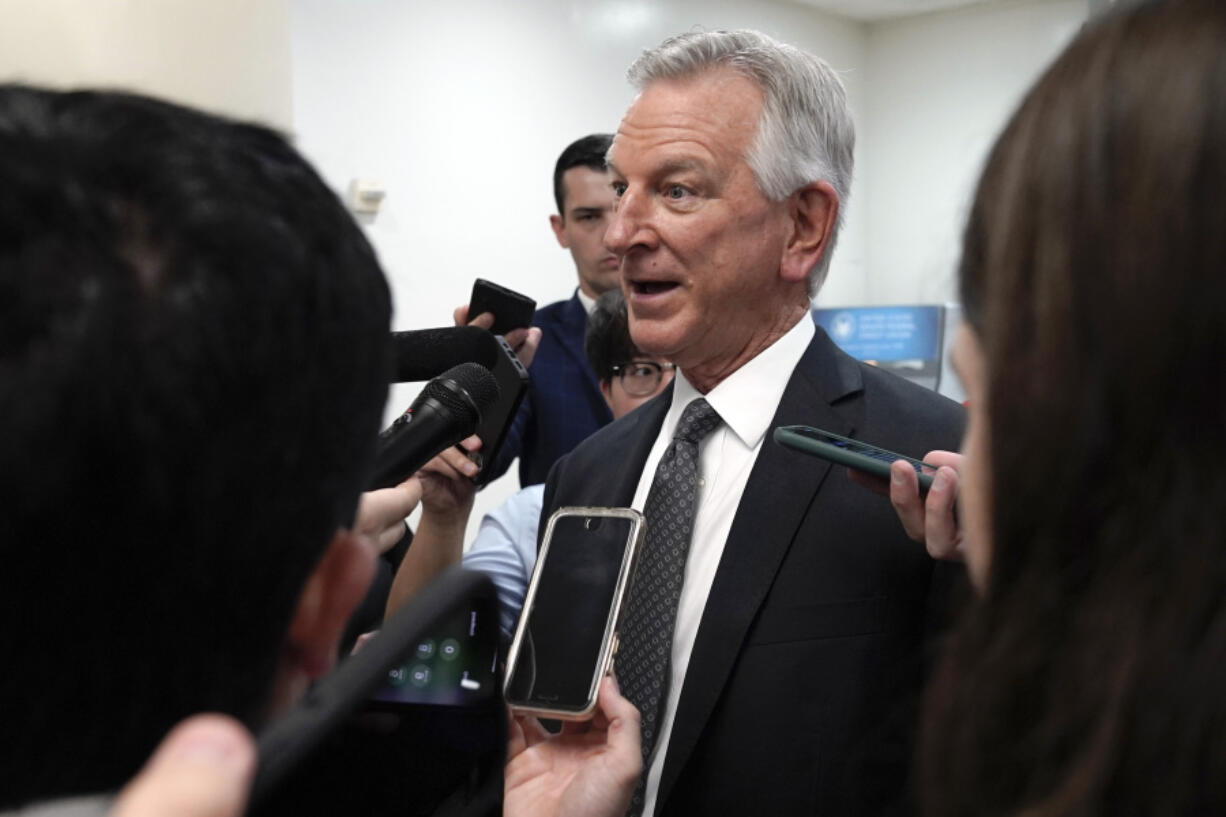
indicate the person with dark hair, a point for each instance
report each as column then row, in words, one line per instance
column 194, row 348
column 1088, row 680
column 505, row 546
column 175, row 286
column 563, row 404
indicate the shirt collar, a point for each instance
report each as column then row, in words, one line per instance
column 746, row 400
column 589, row 303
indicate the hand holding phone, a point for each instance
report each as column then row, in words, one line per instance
column 853, row 453
column 932, row 518
column 925, row 505
column 566, row 637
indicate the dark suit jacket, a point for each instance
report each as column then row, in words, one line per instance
column 563, row 404
column 799, row 694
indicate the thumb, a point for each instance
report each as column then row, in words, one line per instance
column 203, row 768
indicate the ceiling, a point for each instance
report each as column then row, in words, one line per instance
column 872, row 10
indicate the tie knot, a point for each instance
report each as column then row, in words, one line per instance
column 697, row 421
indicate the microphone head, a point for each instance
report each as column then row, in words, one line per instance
column 466, row 390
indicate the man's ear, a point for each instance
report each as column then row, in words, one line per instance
column 559, row 230
column 606, row 389
column 332, row 593
column 813, row 210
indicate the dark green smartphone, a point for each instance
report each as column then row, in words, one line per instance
column 853, row 453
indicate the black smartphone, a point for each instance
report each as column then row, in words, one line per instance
column 852, row 453
column 456, row 664
column 567, row 633
column 511, row 309
column 328, row 707
column 512, row 379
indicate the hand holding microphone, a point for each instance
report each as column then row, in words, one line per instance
column 447, row 411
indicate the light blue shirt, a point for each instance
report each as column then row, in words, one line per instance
column 505, row 550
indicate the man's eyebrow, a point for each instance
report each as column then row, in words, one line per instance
column 669, row 166
column 677, row 165
column 587, row 211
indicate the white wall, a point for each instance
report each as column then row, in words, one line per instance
column 229, row 56
column 461, row 109
column 940, row 88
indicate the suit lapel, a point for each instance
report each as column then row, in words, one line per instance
column 613, row 482
column 573, row 328
column 780, row 490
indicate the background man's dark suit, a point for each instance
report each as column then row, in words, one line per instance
column 563, row 405
column 808, row 657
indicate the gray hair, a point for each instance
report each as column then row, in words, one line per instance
column 805, row 133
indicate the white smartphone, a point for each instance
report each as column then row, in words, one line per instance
column 567, row 633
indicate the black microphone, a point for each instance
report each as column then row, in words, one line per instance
column 447, row 410
column 424, row 353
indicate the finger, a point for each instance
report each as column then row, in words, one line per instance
column 472, row 443
column 485, row 320
column 526, row 351
column 516, row 337
column 624, row 733
column 449, row 465
column 904, row 496
column 458, row 462
column 940, row 527
column 534, row 733
column 938, row 458
column 460, row 315
column 381, row 512
column 203, row 768
column 516, row 742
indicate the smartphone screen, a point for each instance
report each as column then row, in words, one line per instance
column 456, row 664
column 564, row 638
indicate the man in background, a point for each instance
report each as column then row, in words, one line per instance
column 563, row 404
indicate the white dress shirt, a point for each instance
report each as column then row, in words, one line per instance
column 746, row 400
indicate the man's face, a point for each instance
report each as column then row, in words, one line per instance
column 621, row 401
column 588, row 205
column 700, row 246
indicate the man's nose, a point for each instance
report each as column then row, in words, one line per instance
column 628, row 224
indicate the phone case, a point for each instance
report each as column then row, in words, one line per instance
column 852, row 453
column 511, row 309
column 608, row 643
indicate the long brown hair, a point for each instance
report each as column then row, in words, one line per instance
column 1091, row 677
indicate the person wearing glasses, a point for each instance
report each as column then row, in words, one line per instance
column 505, row 546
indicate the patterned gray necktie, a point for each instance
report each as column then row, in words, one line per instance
column 646, row 637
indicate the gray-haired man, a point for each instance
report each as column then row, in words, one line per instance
column 773, row 636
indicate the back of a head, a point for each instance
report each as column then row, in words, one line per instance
column 193, row 361
column 805, row 134
column 1093, row 277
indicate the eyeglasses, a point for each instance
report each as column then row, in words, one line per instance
column 641, row 378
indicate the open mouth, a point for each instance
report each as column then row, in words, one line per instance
column 652, row 287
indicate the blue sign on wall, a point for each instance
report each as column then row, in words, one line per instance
column 884, row 333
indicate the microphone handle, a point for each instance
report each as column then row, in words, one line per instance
column 414, row 439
